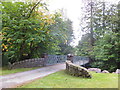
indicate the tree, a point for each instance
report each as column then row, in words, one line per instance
column 84, row 46
column 105, row 24
column 21, row 30
column 63, row 32
column 28, row 31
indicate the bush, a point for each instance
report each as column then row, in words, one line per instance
column 104, row 65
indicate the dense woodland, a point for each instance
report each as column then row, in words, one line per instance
column 29, row 30
column 102, row 39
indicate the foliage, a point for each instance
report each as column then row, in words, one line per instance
column 106, row 33
column 21, row 33
column 63, row 80
column 84, row 47
column 27, row 32
column 108, row 48
column 63, row 31
column 66, row 49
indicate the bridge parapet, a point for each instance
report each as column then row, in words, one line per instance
column 48, row 60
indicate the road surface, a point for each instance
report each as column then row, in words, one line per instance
column 13, row 80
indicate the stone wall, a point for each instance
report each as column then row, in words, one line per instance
column 47, row 60
column 76, row 70
column 36, row 62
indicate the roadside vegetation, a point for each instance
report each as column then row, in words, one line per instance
column 29, row 30
column 101, row 41
column 28, row 27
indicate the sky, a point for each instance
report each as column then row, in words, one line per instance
column 73, row 11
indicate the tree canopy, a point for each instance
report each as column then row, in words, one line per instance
column 102, row 40
column 29, row 29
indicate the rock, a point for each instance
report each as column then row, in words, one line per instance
column 118, row 71
column 97, row 70
column 76, row 70
column 105, row 71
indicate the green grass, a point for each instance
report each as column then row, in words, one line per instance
column 5, row 70
column 63, row 80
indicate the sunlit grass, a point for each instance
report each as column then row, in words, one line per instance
column 63, row 80
column 5, row 70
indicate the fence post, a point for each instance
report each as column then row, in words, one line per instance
column 45, row 56
column 70, row 57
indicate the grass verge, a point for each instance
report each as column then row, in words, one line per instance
column 5, row 70
column 62, row 80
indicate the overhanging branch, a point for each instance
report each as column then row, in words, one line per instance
column 33, row 8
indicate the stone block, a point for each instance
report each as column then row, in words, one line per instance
column 105, row 71
column 118, row 71
column 97, row 70
column 76, row 70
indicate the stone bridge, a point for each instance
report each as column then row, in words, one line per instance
column 47, row 60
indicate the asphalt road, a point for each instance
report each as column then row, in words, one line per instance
column 13, row 80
